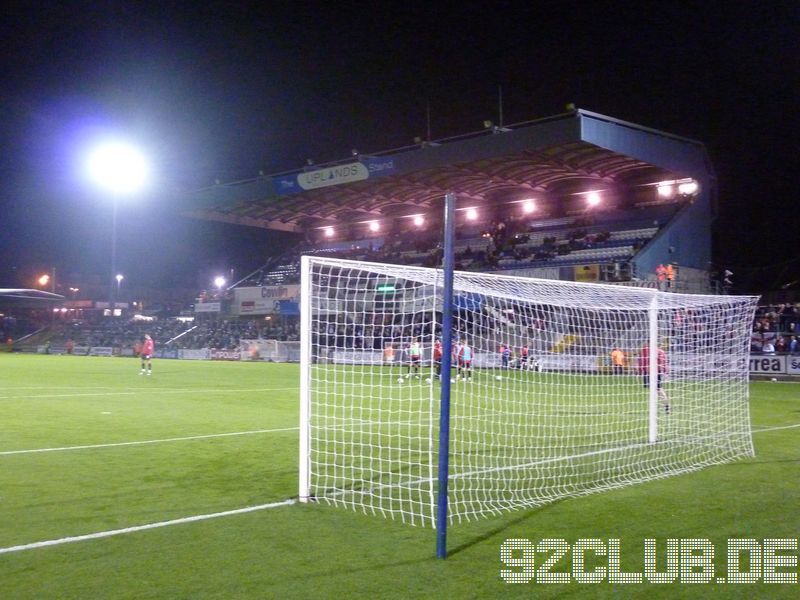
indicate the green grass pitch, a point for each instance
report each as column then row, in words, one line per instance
column 88, row 445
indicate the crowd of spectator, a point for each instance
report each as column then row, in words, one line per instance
column 776, row 328
column 209, row 333
column 227, row 333
column 489, row 248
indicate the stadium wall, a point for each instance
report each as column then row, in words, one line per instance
column 685, row 241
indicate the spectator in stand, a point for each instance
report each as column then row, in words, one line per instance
column 767, row 347
column 661, row 276
column 780, row 345
column 670, row 275
column 794, row 345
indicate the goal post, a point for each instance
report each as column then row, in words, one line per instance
column 538, row 414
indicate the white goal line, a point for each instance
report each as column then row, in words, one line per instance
column 112, row 532
column 764, row 429
column 144, row 442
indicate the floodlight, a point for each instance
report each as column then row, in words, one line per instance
column 687, row 188
column 374, row 226
column 419, row 220
column 119, row 278
column 328, row 232
column 118, row 167
column 665, row 189
column 472, row 214
column 219, row 282
column 592, row 198
column 528, row 206
column 44, row 280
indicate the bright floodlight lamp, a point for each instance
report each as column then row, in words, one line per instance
column 688, row 188
column 374, row 226
column 219, row 282
column 593, row 198
column 328, row 231
column 118, row 168
column 119, row 278
column 44, row 280
column 665, row 189
column 528, row 206
column 472, row 214
column 419, row 220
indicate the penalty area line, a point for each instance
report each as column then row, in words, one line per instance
column 145, row 442
column 134, row 529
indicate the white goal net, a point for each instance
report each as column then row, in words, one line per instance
column 558, row 388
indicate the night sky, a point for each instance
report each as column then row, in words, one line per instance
column 223, row 91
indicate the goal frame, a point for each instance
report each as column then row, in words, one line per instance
column 649, row 305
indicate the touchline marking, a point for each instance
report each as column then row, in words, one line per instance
column 112, row 532
column 144, row 442
column 138, row 392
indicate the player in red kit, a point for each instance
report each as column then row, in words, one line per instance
column 661, row 366
column 437, row 358
column 148, row 347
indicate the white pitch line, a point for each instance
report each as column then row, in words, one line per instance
column 138, row 391
column 61, row 387
column 112, row 532
column 795, row 426
column 238, row 511
column 144, row 442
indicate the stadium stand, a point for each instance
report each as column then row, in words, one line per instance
column 577, row 196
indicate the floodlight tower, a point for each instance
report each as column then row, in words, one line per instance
column 121, row 170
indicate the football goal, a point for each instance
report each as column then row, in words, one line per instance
column 539, row 407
